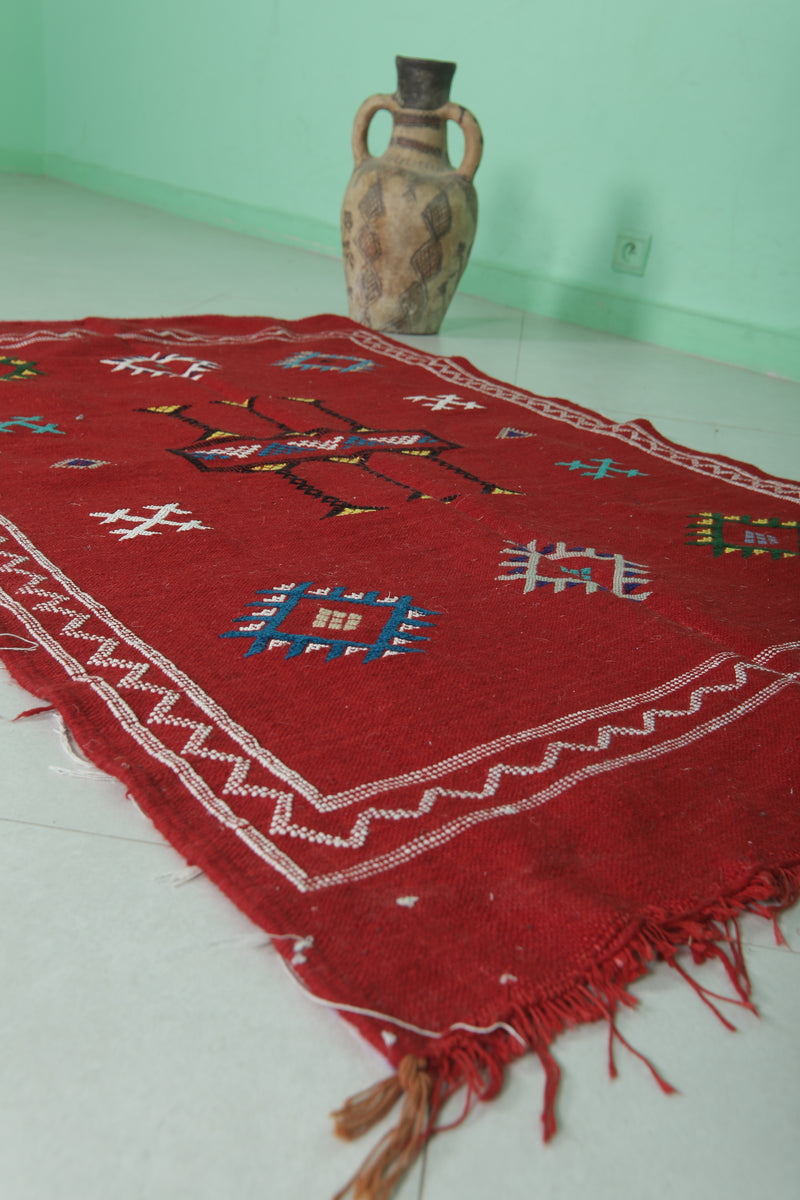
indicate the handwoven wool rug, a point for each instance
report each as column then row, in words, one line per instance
column 476, row 701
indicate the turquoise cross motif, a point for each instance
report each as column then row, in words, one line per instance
column 605, row 467
column 28, row 423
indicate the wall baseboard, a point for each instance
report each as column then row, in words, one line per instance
column 21, row 162
column 267, row 223
column 768, row 351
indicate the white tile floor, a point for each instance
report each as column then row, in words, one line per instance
column 152, row 1048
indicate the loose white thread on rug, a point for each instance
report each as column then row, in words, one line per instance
column 301, row 944
column 129, row 796
column 176, row 878
column 27, row 648
column 76, row 774
column 299, row 948
column 262, row 937
column 89, row 771
column 378, row 1016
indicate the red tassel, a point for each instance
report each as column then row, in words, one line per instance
column 612, row 1066
column 32, row 712
column 473, row 1066
column 704, row 994
column 734, row 966
column 613, row 1032
column 552, row 1073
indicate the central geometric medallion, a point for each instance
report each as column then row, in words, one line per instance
column 285, row 452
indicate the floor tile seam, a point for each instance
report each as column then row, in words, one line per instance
column 787, row 949
column 117, row 837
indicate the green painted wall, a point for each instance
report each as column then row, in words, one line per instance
column 677, row 119
column 21, row 86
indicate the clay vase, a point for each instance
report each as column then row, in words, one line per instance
column 409, row 217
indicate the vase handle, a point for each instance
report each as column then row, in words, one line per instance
column 473, row 138
column 361, row 124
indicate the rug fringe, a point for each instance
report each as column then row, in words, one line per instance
column 398, row 1149
column 361, row 1112
column 34, row 712
column 477, row 1062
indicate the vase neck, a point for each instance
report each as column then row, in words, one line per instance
column 420, row 135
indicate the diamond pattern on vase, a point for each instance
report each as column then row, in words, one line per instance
column 371, row 204
column 427, row 260
column 437, row 215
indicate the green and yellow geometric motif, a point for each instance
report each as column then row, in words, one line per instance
column 20, row 369
column 745, row 535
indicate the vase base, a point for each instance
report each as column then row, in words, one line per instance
column 411, row 327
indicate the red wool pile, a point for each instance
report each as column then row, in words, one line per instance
column 485, row 700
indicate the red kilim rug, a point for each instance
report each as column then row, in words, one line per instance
column 384, row 645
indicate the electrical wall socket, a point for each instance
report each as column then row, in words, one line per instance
column 631, row 251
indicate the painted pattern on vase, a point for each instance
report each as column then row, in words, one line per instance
column 409, row 217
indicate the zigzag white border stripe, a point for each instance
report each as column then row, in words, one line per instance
column 282, row 824
column 499, row 745
column 445, row 833
column 11, row 341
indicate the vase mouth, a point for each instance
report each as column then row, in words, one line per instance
column 423, row 82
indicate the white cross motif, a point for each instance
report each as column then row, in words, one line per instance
column 153, row 364
column 144, row 526
column 443, row 403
